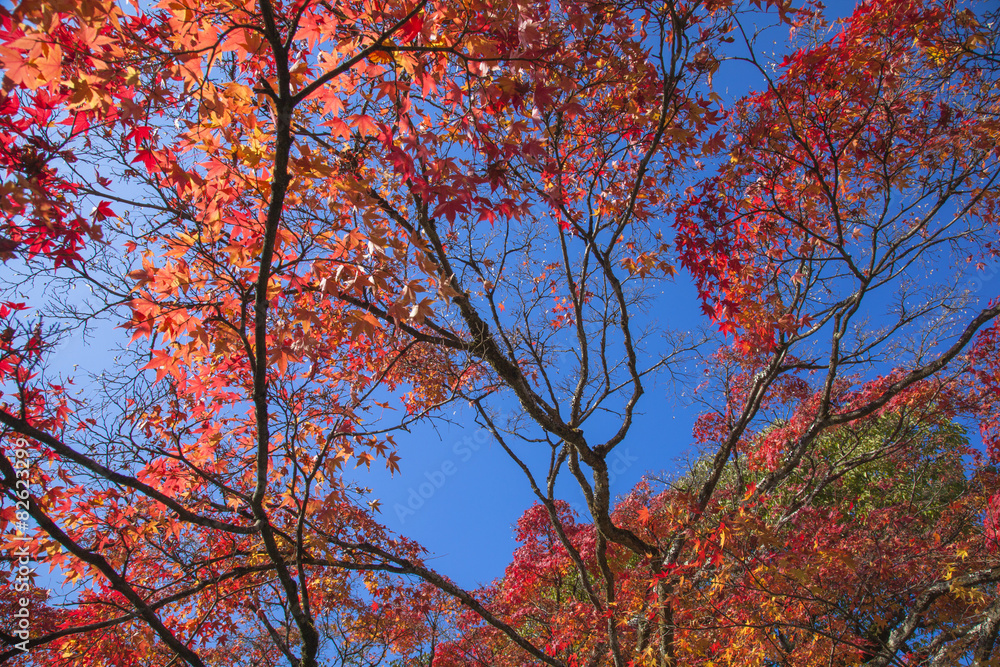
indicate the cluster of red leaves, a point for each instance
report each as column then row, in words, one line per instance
column 540, row 595
column 61, row 83
column 772, row 578
column 985, row 361
column 830, row 157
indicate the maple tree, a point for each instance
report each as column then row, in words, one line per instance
column 876, row 549
column 322, row 223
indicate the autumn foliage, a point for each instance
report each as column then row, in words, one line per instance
column 321, row 223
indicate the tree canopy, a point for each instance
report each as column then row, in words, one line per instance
column 320, row 224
